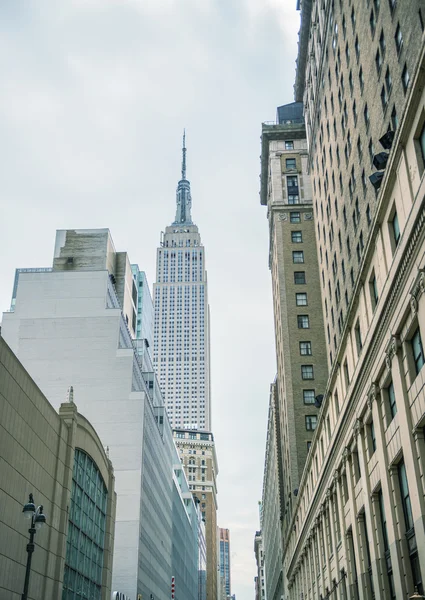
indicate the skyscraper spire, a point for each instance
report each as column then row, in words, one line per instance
column 184, row 155
column 183, row 197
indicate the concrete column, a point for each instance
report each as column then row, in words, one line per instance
column 409, row 448
column 378, row 413
column 373, row 550
column 398, row 547
column 354, row 529
column 351, row 563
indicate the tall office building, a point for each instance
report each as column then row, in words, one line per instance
column 225, row 573
column 76, row 323
column 182, row 322
column 299, row 331
column 357, row 526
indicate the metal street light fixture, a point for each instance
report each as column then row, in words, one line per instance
column 417, row 595
column 37, row 518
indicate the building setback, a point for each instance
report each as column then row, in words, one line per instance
column 76, row 323
column 60, row 459
column 357, row 525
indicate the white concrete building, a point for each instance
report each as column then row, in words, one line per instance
column 182, row 320
column 75, row 324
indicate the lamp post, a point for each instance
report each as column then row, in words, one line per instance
column 37, row 519
column 417, row 595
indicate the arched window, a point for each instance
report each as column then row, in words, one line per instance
column 86, row 531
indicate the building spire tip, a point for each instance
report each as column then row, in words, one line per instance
column 184, row 155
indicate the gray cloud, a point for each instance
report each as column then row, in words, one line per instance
column 95, row 94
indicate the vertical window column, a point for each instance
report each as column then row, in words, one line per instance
column 378, row 402
column 367, row 528
column 400, row 567
column 413, row 468
column 353, row 541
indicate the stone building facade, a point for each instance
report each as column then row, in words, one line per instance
column 271, row 506
column 199, row 460
column 299, row 331
column 59, row 458
column 356, row 65
column 358, row 527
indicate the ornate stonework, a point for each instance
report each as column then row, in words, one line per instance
column 372, row 394
column 391, row 350
column 417, row 290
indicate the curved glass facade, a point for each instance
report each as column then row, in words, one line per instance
column 86, row 531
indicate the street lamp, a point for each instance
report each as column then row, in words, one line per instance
column 37, row 519
column 417, row 595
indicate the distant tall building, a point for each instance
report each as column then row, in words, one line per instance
column 199, row 459
column 225, row 571
column 182, row 322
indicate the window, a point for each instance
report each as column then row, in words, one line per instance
column 295, row 217
column 301, row 299
column 405, row 78
column 358, row 335
column 405, row 496
column 86, row 529
column 296, row 237
column 292, row 181
column 374, row 290
column 384, row 97
column 303, row 322
column 372, row 22
column 392, row 4
column 346, row 374
column 388, row 80
column 289, row 145
column 398, row 39
column 305, row 349
column 372, row 438
column 307, row 372
column 291, row 163
column 309, row 396
column 361, row 79
column 371, row 150
column 366, row 117
column 391, row 401
column 298, row 256
column 396, row 228
column 382, row 44
column 378, row 61
column 299, row 277
column 357, row 47
column 421, row 142
column 418, row 351
column 311, row 422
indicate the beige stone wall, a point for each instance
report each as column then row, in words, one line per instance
column 343, row 51
column 36, row 456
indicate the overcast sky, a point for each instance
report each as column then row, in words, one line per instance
column 95, row 95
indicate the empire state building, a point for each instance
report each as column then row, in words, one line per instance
column 182, row 320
